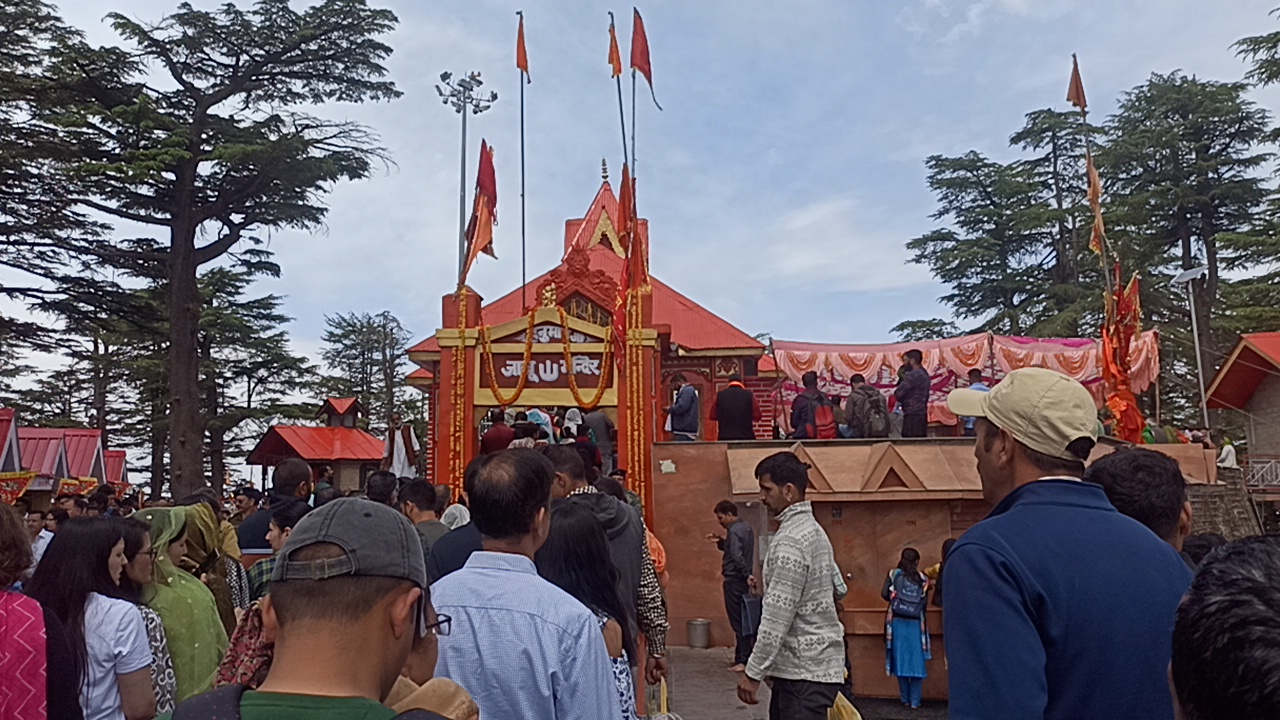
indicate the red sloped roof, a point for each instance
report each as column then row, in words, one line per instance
column 1256, row 356
column 315, row 444
column 421, row 374
column 115, row 460
column 41, row 449
column 340, row 406
column 693, row 327
column 84, row 451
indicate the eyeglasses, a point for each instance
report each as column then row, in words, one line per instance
column 442, row 626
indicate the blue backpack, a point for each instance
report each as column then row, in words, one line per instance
column 908, row 596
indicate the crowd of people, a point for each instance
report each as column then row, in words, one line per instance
column 538, row 592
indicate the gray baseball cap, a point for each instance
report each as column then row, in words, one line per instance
column 379, row 542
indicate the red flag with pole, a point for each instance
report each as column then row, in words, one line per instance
column 522, row 57
column 640, row 53
column 615, row 56
column 626, row 233
column 1075, row 91
column 484, row 213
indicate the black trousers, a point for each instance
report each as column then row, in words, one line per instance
column 801, row 699
column 914, row 426
column 734, row 590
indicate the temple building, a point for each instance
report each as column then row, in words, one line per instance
column 567, row 312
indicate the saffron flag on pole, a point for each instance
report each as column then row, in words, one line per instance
column 615, row 57
column 640, row 53
column 484, row 212
column 522, row 57
column 1098, row 237
column 1075, row 91
column 625, row 233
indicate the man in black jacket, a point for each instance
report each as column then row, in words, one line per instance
column 290, row 482
column 735, row 410
column 738, row 546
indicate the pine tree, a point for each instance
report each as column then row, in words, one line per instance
column 365, row 357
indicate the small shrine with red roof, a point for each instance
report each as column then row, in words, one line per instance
column 560, row 325
column 341, row 444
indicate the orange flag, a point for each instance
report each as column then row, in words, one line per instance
column 522, row 58
column 615, row 57
column 484, row 212
column 1075, row 91
column 626, row 230
column 640, row 53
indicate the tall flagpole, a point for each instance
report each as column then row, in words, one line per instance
column 622, row 117
column 633, row 130
column 524, row 273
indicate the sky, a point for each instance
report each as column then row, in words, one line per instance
column 781, row 180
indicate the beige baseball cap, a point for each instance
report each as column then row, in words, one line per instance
column 1043, row 409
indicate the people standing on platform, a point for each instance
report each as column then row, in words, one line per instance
column 683, row 414
column 521, row 646
column 913, row 396
column 418, row 503
column 975, row 383
column 906, row 631
column 736, row 411
column 1147, row 486
column 290, row 482
column 629, row 549
column 499, row 435
column 865, row 410
column 1226, row 658
column 400, row 457
column 738, row 547
column 1057, row 605
column 800, row 643
column 808, row 421
column 601, row 429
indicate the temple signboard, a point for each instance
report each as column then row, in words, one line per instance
column 546, row 370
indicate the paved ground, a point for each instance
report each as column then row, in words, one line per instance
column 702, row 689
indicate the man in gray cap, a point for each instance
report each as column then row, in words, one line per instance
column 348, row 606
column 1058, row 606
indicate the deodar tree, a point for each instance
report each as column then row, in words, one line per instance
column 199, row 131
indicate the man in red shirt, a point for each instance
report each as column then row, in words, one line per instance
column 499, row 436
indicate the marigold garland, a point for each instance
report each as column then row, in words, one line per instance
column 568, row 364
column 487, row 350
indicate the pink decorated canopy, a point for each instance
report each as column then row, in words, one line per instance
column 949, row 361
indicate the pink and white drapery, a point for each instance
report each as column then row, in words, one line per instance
column 949, row 361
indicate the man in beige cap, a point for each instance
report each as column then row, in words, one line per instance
column 1058, row 606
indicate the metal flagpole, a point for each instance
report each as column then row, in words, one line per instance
column 633, row 130
column 462, row 202
column 524, row 274
column 622, row 117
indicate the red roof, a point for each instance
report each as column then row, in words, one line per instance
column 115, row 460
column 84, row 452
column 315, row 444
column 341, row 406
column 693, row 327
column 1256, row 356
column 42, row 451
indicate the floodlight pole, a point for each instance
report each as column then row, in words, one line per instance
column 461, row 95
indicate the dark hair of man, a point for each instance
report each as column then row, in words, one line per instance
column 591, row 457
column 735, row 377
column 327, row 495
column 469, row 474
column 1226, row 636
column 915, row 356
column 59, row 516
column 287, row 515
column 909, row 564
column 1047, row 464
column 857, row 379
column 509, row 490
column 99, row 502
column 75, row 565
column 524, row 429
column 41, row 513
column 1197, row 547
column 946, row 548
column 575, row 558
column 134, row 532
column 726, row 507
column 975, row 375
column 380, row 486
column 206, row 496
column 248, row 492
column 15, row 546
column 566, row 461
column 620, row 473
column 1145, row 485
column 809, row 379
column 522, row 416
column 611, row 487
column 290, row 475
column 334, row 600
column 784, row 468
column 680, row 378
column 419, row 492
column 443, row 494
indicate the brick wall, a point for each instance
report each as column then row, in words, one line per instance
column 1264, row 430
column 967, row 513
column 762, row 387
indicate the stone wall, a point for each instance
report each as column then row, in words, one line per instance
column 1225, row 508
column 1264, row 427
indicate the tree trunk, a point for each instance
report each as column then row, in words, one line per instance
column 186, row 431
column 159, row 440
column 217, row 458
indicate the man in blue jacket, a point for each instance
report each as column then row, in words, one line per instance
column 683, row 413
column 1058, row 606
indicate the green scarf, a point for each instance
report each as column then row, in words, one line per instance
column 197, row 639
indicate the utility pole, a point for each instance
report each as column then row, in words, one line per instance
column 462, row 95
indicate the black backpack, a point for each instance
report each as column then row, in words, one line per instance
column 908, row 596
column 224, row 704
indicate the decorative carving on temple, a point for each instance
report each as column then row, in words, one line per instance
column 576, row 276
column 548, row 294
column 582, row 308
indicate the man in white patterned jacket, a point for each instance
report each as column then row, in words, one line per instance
column 800, row 643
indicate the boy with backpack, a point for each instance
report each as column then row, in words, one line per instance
column 812, row 413
column 866, row 410
column 906, row 634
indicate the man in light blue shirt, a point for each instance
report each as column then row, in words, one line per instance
column 521, row 646
column 975, row 383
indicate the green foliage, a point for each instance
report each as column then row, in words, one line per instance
column 365, row 357
column 920, row 330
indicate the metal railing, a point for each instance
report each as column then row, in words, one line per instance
column 1262, row 472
